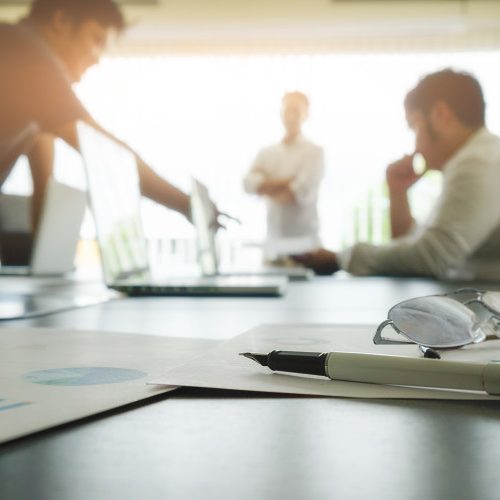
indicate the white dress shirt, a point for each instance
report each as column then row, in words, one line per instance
column 461, row 238
column 302, row 161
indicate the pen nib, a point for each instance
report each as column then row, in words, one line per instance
column 259, row 358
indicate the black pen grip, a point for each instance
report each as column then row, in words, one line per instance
column 310, row 363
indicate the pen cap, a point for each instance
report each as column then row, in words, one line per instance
column 491, row 378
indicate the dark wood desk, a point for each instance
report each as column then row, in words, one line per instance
column 214, row 444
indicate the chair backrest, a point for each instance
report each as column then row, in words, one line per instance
column 15, row 213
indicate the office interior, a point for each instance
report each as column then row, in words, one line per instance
column 195, row 87
column 356, row 61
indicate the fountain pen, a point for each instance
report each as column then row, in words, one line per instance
column 386, row 369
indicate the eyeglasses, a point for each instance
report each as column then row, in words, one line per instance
column 451, row 320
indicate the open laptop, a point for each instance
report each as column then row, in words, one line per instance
column 204, row 216
column 54, row 244
column 115, row 201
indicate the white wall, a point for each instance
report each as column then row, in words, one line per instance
column 201, row 26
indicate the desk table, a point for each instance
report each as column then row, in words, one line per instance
column 203, row 444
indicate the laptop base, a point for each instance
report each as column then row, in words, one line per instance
column 237, row 286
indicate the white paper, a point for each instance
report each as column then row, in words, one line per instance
column 276, row 247
column 50, row 376
column 223, row 368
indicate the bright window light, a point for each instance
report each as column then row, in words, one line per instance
column 208, row 116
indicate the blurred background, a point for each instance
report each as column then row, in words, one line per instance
column 195, row 86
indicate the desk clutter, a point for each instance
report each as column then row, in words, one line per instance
column 223, row 368
column 54, row 376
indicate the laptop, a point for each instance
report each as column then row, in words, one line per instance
column 53, row 247
column 204, row 216
column 113, row 182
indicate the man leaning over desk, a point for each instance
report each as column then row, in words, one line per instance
column 461, row 238
column 40, row 58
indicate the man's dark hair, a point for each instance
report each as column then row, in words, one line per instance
column 461, row 91
column 105, row 12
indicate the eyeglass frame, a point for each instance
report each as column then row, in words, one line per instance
column 378, row 339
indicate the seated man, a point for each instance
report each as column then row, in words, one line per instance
column 446, row 112
column 40, row 58
column 288, row 175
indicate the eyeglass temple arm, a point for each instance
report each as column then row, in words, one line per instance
column 476, row 300
column 378, row 339
column 460, row 291
column 493, row 314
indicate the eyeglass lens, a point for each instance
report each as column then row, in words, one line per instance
column 435, row 321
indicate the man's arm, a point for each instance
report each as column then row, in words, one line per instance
column 400, row 177
column 466, row 216
column 41, row 160
column 302, row 188
column 158, row 189
column 258, row 181
column 279, row 190
column 255, row 177
column 401, row 219
column 305, row 185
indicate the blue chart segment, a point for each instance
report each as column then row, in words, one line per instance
column 6, row 405
column 83, row 376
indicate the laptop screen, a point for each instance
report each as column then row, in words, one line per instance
column 115, row 196
column 202, row 211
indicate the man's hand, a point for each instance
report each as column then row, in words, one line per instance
column 278, row 189
column 284, row 196
column 219, row 219
column 322, row 262
column 269, row 187
column 401, row 176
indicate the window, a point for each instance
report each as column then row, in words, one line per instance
column 208, row 117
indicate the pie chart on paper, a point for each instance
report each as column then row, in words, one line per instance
column 83, row 376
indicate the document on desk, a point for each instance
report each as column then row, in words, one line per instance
column 222, row 367
column 50, row 377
